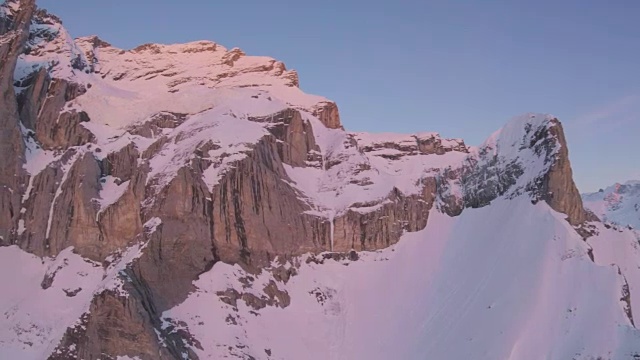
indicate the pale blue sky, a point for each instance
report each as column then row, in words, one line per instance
column 462, row 68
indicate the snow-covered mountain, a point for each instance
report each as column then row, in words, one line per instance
column 618, row 204
column 192, row 202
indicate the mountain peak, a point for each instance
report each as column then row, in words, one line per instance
column 544, row 135
column 618, row 203
column 158, row 202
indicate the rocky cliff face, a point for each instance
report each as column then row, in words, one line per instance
column 197, row 154
column 14, row 32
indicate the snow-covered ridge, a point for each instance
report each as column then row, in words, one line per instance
column 51, row 47
column 394, row 145
column 126, row 86
column 618, row 203
column 489, row 284
column 362, row 170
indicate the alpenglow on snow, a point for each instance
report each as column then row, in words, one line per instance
column 190, row 201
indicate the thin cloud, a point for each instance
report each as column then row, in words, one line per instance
column 606, row 118
column 616, row 112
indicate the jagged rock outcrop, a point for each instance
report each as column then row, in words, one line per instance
column 418, row 144
column 91, row 45
column 31, row 99
column 55, row 128
column 256, row 209
column 41, row 106
column 251, row 217
column 124, row 327
column 362, row 229
column 63, row 209
column 296, row 143
column 122, row 163
column 232, row 56
column 539, row 166
column 558, row 188
column 327, row 112
column 72, row 221
column 154, row 126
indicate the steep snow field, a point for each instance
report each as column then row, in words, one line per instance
column 509, row 281
column 42, row 297
column 38, row 316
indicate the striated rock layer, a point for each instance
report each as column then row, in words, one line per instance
column 196, row 154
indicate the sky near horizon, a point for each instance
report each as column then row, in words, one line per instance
column 461, row 68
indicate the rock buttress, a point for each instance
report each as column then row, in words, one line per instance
column 13, row 36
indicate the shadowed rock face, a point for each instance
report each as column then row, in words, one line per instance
column 14, row 31
column 57, row 129
column 359, row 230
column 296, row 145
column 252, row 215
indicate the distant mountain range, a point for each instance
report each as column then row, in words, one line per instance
column 618, row 204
